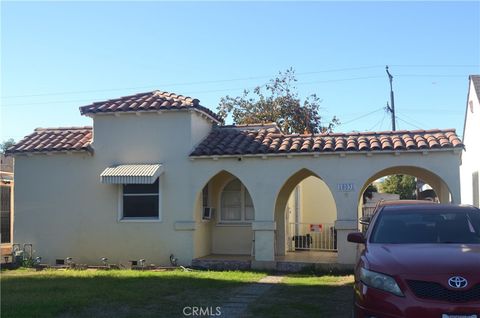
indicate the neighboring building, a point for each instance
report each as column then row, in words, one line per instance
column 158, row 175
column 6, row 204
column 371, row 203
column 471, row 133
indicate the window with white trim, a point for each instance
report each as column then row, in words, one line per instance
column 236, row 203
column 140, row 201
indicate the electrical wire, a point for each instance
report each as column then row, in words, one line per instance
column 360, row 117
column 251, row 78
column 191, row 83
column 378, row 122
column 408, row 123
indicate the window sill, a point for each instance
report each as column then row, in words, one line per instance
column 140, row 220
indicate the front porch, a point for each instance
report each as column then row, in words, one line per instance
column 290, row 262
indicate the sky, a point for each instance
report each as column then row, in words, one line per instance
column 57, row 56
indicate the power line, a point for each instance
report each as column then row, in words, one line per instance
column 360, row 117
column 377, row 123
column 435, row 65
column 430, row 75
column 202, row 91
column 244, row 79
column 409, row 123
column 191, row 83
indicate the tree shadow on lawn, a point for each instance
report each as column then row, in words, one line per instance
column 329, row 297
column 109, row 296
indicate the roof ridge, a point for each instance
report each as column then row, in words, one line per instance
column 151, row 101
column 368, row 133
column 63, row 128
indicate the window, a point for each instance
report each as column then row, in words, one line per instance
column 140, row 201
column 205, row 197
column 236, row 203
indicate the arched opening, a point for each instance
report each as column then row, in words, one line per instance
column 401, row 183
column 305, row 214
column 224, row 212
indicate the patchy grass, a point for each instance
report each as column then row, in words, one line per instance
column 307, row 296
column 125, row 293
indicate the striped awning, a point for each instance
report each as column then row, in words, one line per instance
column 131, row 174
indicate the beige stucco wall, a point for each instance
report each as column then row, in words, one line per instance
column 317, row 203
column 272, row 178
column 64, row 210
column 471, row 156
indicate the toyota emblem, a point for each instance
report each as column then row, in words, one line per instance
column 457, row 282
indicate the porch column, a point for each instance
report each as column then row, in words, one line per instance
column 347, row 222
column 264, row 248
column 346, row 251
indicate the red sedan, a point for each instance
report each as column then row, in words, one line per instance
column 419, row 261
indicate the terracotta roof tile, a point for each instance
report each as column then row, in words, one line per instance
column 54, row 140
column 150, row 101
column 228, row 141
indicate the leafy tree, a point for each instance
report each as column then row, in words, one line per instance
column 368, row 193
column 401, row 184
column 277, row 101
column 6, row 144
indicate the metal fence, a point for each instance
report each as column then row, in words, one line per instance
column 308, row 236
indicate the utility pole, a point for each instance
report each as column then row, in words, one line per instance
column 391, row 108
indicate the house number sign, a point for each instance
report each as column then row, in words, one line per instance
column 345, row 187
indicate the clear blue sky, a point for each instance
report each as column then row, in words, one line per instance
column 58, row 56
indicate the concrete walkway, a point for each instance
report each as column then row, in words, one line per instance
column 236, row 305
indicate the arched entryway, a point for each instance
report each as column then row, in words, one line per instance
column 224, row 212
column 305, row 214
column 422, row 178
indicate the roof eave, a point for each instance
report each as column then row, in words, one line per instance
column 457, row 149
column 156, row 111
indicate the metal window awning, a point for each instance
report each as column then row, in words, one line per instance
column 131, row 174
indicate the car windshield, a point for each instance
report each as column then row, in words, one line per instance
column 431, row 226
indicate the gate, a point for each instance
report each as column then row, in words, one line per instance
column 314, row 237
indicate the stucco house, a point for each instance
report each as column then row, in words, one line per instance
column 158, row 174
column 471, row 157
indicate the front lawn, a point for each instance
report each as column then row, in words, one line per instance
column 127, row 293
column 124, row 293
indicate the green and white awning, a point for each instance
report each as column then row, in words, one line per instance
column 131, row 174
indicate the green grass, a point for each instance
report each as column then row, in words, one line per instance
column 124, row 293
column 307, row 296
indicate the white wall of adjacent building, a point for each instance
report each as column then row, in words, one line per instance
column 470, row 167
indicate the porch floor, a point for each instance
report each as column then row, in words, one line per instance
column 290, row 262
column 314, row 257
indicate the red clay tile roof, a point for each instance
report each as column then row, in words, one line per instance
column 228, row 141
column 54, row 140
column 151, row 101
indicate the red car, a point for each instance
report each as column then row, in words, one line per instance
column 419, row 261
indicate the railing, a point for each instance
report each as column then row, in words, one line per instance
column 308, row 236
column 368, row 210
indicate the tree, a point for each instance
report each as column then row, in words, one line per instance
column 368, row 193
column 277, row 101
column 6, row 144
column 403, row 185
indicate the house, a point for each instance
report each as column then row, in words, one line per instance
column 471, row 132
column 158, row 174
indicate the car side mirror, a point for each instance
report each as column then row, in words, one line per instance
column 356, row 237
